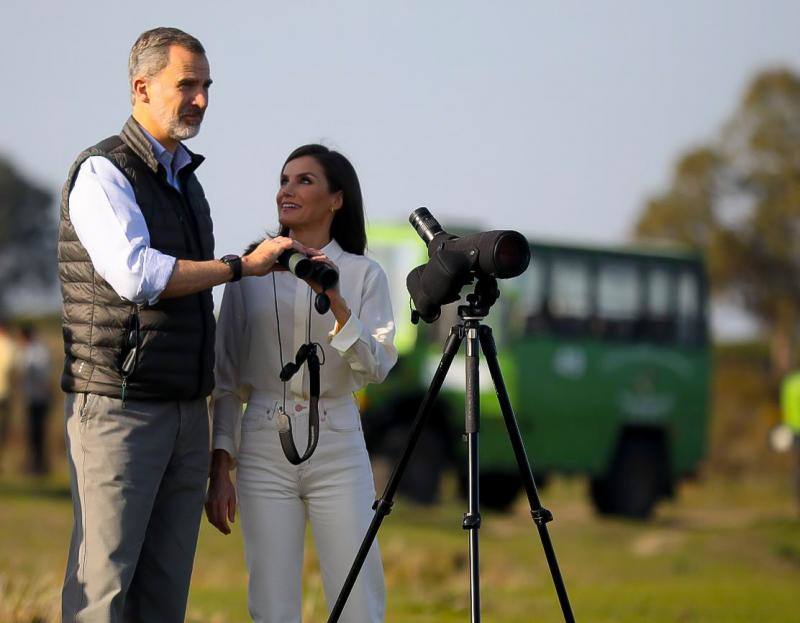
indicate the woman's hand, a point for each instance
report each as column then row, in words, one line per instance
column 339, row 306
column 221, row 496
column 263, row 258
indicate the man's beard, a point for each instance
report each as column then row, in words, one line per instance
column 177, row 129
column 180, row 130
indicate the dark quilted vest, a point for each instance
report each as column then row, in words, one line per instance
column 177, row 335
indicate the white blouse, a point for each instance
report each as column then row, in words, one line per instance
column 247, row 355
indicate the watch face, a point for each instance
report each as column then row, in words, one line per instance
column 235, row 264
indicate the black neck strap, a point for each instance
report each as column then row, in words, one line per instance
column 307, row 352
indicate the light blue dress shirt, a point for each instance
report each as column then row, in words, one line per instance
column 110, row 225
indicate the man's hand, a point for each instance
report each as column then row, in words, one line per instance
column 262, row 260
column 221, row 497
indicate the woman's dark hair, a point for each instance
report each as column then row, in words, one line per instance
column 347, row 228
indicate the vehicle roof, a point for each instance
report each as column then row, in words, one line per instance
column 657, row 249
column 654, row 249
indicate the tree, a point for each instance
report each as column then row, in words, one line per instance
column 738, row 201
column 27, row 235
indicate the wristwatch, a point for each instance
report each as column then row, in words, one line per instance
column 235, row 264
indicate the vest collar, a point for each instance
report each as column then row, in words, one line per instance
column 133, row 136
column 170, row 161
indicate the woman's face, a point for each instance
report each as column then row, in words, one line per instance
column 304, row 199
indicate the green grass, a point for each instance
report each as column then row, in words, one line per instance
column 724, row 551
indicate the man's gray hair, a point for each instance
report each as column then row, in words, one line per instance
column 150, row 53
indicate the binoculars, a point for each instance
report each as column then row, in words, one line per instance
column 304, row 268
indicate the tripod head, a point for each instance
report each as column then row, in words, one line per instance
column 481, row 299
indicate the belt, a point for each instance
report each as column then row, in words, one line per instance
column 264, row 399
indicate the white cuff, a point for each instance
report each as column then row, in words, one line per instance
column 347, row 335
column 156, row 272
column 223, row 442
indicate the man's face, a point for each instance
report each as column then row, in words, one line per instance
column 178, row 94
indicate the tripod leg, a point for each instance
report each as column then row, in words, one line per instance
column 383, row 506
column 472, row 518
column 540, row 515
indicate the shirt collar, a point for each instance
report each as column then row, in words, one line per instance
column 181, row 156
column 332, row 249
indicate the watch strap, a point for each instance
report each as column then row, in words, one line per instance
column 235, row 264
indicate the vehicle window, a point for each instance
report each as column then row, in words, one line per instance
column 689, row 309
column 569, row 305
column 658, row 324
column 659, row 293
column 569, row 295
column 618, row 301
column 532, row 283
column 617, row 291
column 528, row 311
column 688, row 295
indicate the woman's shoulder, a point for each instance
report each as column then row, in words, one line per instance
column 368, row 265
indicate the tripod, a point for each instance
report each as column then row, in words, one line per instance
column 477, row 336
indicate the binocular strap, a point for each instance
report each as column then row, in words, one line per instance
column 285, row 422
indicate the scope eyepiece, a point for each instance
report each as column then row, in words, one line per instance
column 424, row 223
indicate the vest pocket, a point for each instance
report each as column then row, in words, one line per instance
column 131, row 344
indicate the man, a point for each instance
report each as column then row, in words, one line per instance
column 136, row 266
column 35, row 372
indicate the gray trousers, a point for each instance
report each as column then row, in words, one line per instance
column 138, row 479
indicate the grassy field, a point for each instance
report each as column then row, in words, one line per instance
column 725, row 551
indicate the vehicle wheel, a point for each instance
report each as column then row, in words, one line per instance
column 498, row 490
column 600, row 498
column 636, row 480
column 423, row 474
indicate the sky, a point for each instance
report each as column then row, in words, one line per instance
column 558, row 119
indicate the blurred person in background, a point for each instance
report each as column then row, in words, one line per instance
column 788, row 436
column 7, row 358
column 34, row 365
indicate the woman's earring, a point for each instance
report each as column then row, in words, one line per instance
column 333, row 209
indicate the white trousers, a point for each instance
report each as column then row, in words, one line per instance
column 334, row 489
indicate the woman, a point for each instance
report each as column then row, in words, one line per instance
column 262, row 323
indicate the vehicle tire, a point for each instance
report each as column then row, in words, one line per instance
column 421, row 480
column 600, row 498
column 636, row 481
column 498, row 490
